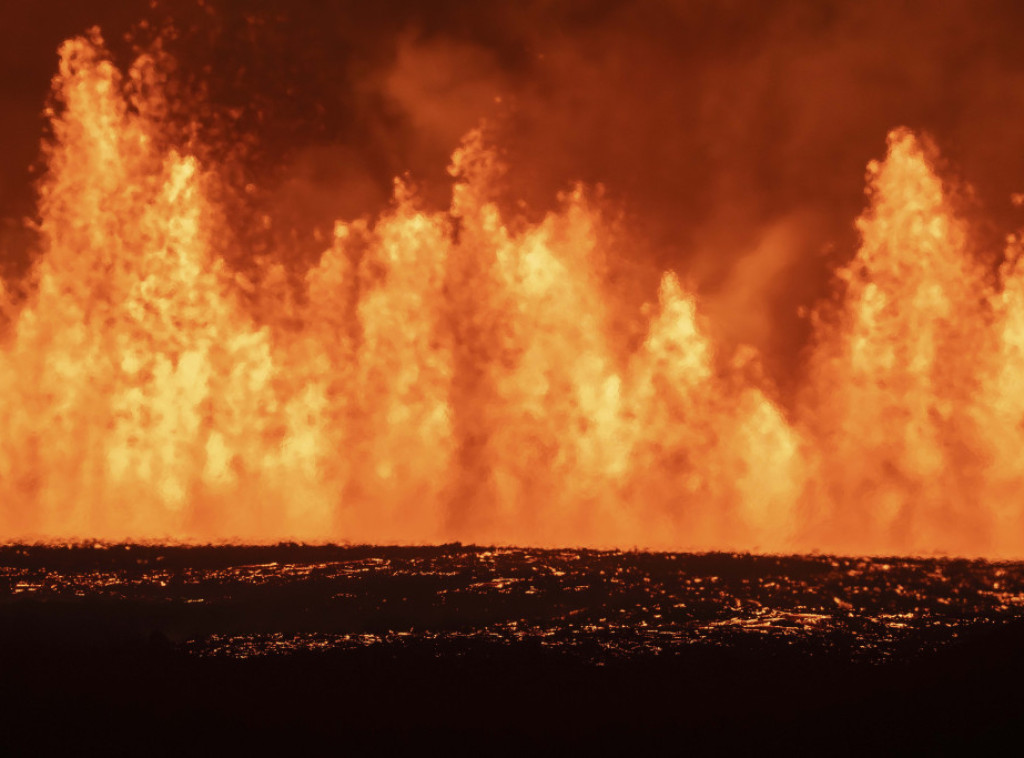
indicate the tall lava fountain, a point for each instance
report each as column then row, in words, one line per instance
column 462, row 374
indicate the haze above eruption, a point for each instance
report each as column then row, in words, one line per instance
column 199, row 352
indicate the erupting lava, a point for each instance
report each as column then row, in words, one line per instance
column 458, row 375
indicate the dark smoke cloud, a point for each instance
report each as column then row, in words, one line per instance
column 733, row 135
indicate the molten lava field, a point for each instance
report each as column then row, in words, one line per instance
column 145, row 646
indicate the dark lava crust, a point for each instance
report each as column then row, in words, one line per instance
column 149, row 649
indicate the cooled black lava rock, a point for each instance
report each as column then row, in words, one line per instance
column 289, row 641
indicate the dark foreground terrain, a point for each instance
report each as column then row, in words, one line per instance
column 193, row 650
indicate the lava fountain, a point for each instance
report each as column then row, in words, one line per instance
column 459, row 374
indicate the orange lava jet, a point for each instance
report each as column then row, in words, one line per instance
column 457, row 375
